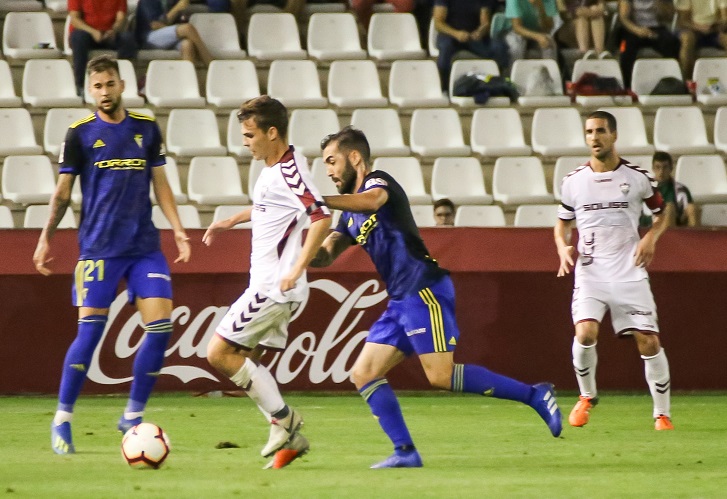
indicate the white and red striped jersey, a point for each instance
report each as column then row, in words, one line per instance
column 284, row 198
column 606, row 207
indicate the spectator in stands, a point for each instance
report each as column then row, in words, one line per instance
column 444, row 211
column 98, row 24
column 465, row 25
column 533, row 22
column 364, row 9
column 588, row 21
column 701, row 23
column 643, row 27
column 679, row 205
column 157, row 28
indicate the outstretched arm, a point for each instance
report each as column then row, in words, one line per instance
column 58, row 205
column 333, row 246
column 226, row 224
column 361, row 202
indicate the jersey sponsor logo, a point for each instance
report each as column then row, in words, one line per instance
column 420, row 330
column 372, row 182
column 122, row 164
column 606, row 206
column 625, row 188
column 640, row 312
column 139, row 139
column 366, row 228
column 602, row 180
column 156, row 275
column 99, row 143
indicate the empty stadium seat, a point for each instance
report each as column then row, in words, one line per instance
column 37, row 90
column 383, row 131
column 423, row 215
column 8, row 98
column 707, row 69
column 307, row 128
column 558, row 132
column 273, row 36
column 295, row 83
column 193, row 132
column 408, row 173
column 57, row 121
column 172, row 172
column 645, row 76
column 6, row 218
column 460, row 180
column 720, row 129
column 498, row 132
column 519, row 180
column 36, row 216
column 479, row 216
column 235, row 144
column 681, row 130
column 334, row 36
column 25, row 32
column 461, row 67
column 321, row 179
column 173, row 84
column 131, row 90
column 602, row 67
column 225, row 211
column 705, row 177
column 563, row 166
column 16, row 132
column 218, row 31
column 415, row 84
column 230, row 83
column 355, row 84
column 28, row 179
column 394, row 36
column 714, row 215
column 521, row 70
column 215, row 180
column 631, row 130
column 437, row 132
column 188, row 216
column 536, row 215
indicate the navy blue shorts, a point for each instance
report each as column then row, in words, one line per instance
column 98, row 280
column 422, row 322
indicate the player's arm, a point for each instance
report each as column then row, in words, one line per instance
column 561, row 234
column 317, row 232
column 670, row 214
column 362, row 202
column 334, row 245
column 226, row 224
column 58, row 205
column 165, row 197
column 647, row 245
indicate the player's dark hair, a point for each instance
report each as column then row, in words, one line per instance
column 350, row 139
column 266, row 112
column 603, row 115
column 102, row 63
column 444, row 202
column 663, row 156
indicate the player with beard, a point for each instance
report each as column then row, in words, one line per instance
column 117, row 154
column 420, row 315
column 604, row 197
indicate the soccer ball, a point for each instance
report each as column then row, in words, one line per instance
column 145, row 446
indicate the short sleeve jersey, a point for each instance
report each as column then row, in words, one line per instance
column 284, row 199
column 465, row 14
column 99, row 14
column 524, row 10
column 114, row 163
column 392, row 240
column 606, row 207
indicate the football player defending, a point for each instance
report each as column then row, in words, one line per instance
column 420, row 314
column 117, row 154
column 604, row 197
column 284, row 198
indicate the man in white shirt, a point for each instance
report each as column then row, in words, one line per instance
column 284, row 198
column 604, row 197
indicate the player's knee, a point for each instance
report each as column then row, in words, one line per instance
column 215, row 355
column 648, row 344
column 360, row 376
column 440, row 379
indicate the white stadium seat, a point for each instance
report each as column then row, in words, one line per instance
column 605, row 68
column 6, row 218
column 558, row 132
column 408, row 173
column 8, row 97
column 188, row 216
column 519, row 180
column 218, row 31
column 383, row 131
column 36, row 216
column 423, row 215
column 256, row 166
column 498, row 132
column 707, row 69
column 25, row 32
column 355, row 84
column 172, row 172
column 295, row 83
column 415, row 84
column 272, row 36
column 631, row 130
column 28, row 179
column 646, row 75
column 16, row 132
column 536, row 215
column 230, row 83
column 173, row 84
column 714, row 214
column 520, row 73
column 234, row 137
column 437, row 132
column 460, row 180
column 681, row 130
column 705, row 177
column 57, row 121
column 479, row 216
column 720, row 129
column 461, row 67
column 334, row 36
column 307, row 128
column 394, row 36
column 36, row 88
column 215, row 180
column 193, row 132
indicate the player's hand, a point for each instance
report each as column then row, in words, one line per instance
column 212, row 230
column 566, row 260
column 645, row 251
column 288, row 281
column 183, row 246
column 40, row 257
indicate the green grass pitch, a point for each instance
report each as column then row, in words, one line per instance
column 471, row 447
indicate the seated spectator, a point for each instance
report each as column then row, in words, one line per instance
column 465, row 25
column 701, row 23
column 364, row 9
column 642, row 27
column 589, row 25
column 97, row 24
column 679, row 205
column 533, row 22
column 160, row 29
column 444, row 211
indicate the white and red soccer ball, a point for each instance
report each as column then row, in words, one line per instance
column 145, row 446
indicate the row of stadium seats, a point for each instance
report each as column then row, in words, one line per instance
column 436, row 132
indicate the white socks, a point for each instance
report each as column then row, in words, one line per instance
column 656, row 368
column 260, row 386
column 585, row 360
column 62, row 417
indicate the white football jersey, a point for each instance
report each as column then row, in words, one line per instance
column 606, row 207
column 283, row 198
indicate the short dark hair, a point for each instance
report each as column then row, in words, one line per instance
column 444, row 202
column 266, row 112
column 663, row 156
column 350, row 139
column 102, row 63
column 603, row 115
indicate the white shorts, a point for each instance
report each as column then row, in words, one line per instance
column 255, row 319
column 631, row 304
